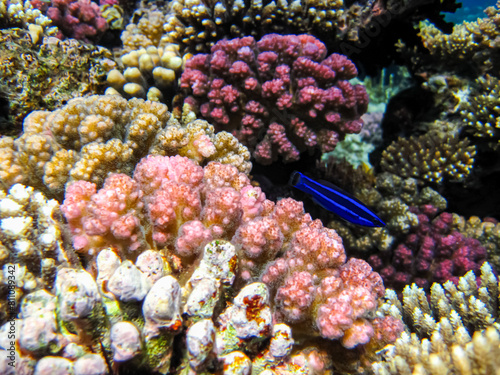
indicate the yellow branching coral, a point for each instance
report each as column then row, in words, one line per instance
column 91, row 137
column 456, row 333
column 469, row 43
column 433, row 158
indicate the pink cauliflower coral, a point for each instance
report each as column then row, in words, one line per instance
column 176, row 206
column 280, row 96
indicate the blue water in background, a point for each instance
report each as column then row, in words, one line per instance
column 471, row 10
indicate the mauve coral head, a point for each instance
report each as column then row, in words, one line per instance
column 279, row 96
column 79, row 19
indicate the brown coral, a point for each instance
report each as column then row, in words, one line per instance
column 431, row 158
column 45, row 76
column 481, row 112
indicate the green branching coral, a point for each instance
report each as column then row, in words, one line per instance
column 47, row 75
column 456, row 333
column 432, row 158
column 481, row 113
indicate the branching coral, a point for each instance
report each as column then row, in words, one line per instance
column 150, row 66
column 469, row 48
column 280, row 96
column 19, row 13
column 433, row 252
column 432, row 158
column 47, row 75
column 199, row 24
column 438, row 334
column 177, row 207
column 481, row 112
column 91, row 137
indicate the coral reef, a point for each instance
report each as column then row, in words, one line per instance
column 453, row 329
column 279, row 96
column 391, row 197
column 78, row 19
column 31, row 245
column 46, row 75
column 159, row 265
column 480, row 113
column 432, row 158
column 432, row 252
column 91, row 137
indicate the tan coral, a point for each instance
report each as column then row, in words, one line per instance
column 481, row 112
column 91, row 137
column 438, row 335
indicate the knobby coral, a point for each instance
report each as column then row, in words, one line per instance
column 175, row 205
column 91, row 137
column 279, row 96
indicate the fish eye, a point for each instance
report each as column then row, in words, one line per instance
column 294, row 179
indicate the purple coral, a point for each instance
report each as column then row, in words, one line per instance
column 280, row 96
column 79, row 19
column 435, row 252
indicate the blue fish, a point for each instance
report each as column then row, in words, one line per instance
column 334, row 199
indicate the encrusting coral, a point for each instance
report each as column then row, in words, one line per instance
column 44, row 75
column 32, row 247
column 91, row 137
column 280, row 96
column 432, row 158
column 454, row 329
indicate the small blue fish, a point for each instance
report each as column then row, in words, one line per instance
column 334, row 199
